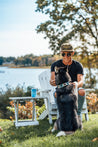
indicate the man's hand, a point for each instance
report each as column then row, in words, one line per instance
column 52, row 82
column 75, row 84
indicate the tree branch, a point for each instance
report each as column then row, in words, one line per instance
column 88, row 26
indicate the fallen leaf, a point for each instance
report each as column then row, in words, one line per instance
column 1, row 129
column 0, row 141
column 95, row 139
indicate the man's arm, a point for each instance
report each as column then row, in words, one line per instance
column 52, row 79
column 80, row 80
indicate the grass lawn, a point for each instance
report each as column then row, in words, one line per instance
column 40, row 136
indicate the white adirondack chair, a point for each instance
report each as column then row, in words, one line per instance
column 47, row 91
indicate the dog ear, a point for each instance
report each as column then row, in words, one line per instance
column 69, row 78
column 56, row 69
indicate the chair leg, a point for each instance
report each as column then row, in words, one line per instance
column 49, row 110
column 57, row 114
column 50, row 119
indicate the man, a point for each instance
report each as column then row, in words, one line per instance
column 74, row 69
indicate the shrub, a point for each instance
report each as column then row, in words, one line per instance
column 25, row 111
column 10, row 92
column 92, row 102
column 4, row 99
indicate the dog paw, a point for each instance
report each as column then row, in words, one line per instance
column 61, row 133
column 53, row 130
column 54, row 127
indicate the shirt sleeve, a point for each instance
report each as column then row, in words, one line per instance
column 80, row 69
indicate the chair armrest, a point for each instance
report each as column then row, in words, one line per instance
column 43, row 92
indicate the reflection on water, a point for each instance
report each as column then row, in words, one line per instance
column 24, row 76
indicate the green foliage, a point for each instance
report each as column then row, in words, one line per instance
column 23, row 61
column 4, row 99
column 40, row 136
column 40, row 109
column 9, row 59
column 92, row 103
column 10, row 92
column 28, row 60
column 25, row 111
column 12, row 109
column 69, row 20
column 90, row 81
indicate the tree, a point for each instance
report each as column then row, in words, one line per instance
column 69, row 20
column 10, row 59
column 28, row 61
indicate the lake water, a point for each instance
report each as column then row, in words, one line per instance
column 24, row 77
column 19, row 76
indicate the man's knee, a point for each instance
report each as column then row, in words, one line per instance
column 55, row 95
column 81, row 92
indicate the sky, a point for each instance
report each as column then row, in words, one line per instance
column 18, row 21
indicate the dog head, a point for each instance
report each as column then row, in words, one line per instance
column 61, row 75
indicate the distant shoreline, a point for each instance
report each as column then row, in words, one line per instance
column 33, row 67
column 30, row 67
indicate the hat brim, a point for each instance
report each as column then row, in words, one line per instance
column 67, row 50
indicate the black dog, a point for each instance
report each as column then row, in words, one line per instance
column 67, row 102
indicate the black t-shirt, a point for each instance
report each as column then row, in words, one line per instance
column 73, row 69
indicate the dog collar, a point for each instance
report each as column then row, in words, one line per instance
column 63, row 85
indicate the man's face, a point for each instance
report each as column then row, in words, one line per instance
column 67, row 56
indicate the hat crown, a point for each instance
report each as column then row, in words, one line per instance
column 67, row 47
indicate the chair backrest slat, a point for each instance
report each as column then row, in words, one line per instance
column 44, row 79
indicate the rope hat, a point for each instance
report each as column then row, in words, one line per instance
column 67, row 47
